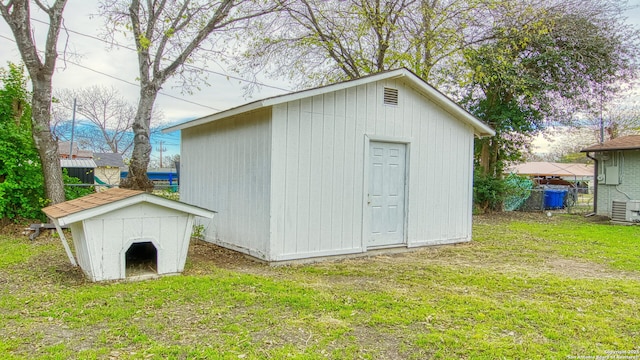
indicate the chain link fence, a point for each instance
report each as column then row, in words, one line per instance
column 557, row 198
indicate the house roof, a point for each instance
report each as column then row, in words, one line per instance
column 63, row 150
column 77, row 163
column 481, row 129
column 110, row 200
column 542, row 168
column 630, row 142
column 108, row 159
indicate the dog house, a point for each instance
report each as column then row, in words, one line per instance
column 120, row 234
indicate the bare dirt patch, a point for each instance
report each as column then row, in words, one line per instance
column 15, row 229
column 202, row 255
column 585, row 270
column 508, row 216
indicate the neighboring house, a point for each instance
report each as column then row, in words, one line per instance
column 65, row 146
column 384, row 161
column 80, row 165
column 576, row 176
column 617, row 173
column 569, row 172
column 108, row 168
column 82, row 169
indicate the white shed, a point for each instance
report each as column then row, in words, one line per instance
column 120, row 233
column 379, row 162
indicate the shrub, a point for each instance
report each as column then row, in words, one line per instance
column 489, row 193
column 21, row 179
column 74, row 192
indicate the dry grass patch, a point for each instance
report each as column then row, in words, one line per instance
column 526, row 287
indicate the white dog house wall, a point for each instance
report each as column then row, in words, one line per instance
column 126, row 234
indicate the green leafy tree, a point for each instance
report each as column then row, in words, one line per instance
column 21, row 191
column 40, row 65
column 544, row 64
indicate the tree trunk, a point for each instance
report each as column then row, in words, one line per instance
column 17, row 14
column 44, row 141
column 488, row 157
column 137, row 178
column 484, row 157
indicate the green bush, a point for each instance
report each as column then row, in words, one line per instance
column 74, row 192
column 489, row 193
column 21, row 178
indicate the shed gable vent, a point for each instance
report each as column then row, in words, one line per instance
column 390, row 96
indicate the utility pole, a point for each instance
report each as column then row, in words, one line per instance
column 161, row 149
column 601, row 118
column 73, row 125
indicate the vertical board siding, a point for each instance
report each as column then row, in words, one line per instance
column 320, row 151
column 326, row 175
column 292, row 168
column 278, row 182
column 303, row 198
column 81, row 247
column 226, row 167
column 108, row 237
column 338, row 179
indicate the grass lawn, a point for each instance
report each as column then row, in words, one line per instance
column 527, row 287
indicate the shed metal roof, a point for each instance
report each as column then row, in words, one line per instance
column 110, row 200
column 630, row 142
column 481, row 129
column 78, row 163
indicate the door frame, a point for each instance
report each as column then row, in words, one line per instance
column 366, row 213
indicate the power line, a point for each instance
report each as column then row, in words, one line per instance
column 137, row 85
column 126, row 81
column 186, row 65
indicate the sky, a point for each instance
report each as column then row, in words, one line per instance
column 545, row 142
column 99, row 64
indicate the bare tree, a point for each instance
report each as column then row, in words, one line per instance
column 60, row 122
column 167, row 34
column 17, row 14
column 615, row 118
column 109, row 114
column 315, row 42
column 565, row 143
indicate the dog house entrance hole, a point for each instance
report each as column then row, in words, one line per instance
column 141, row 258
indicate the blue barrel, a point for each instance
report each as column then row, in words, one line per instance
column 554, row 199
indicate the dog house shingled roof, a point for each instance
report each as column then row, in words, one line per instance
column 88, row 202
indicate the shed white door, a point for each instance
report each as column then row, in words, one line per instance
column 386, row 193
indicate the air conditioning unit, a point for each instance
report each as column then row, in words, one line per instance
column 628, row 211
